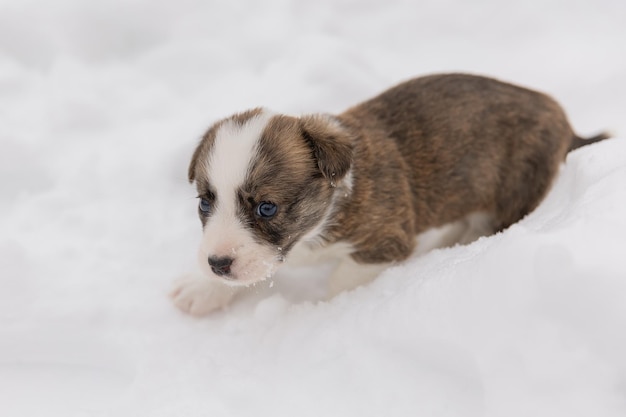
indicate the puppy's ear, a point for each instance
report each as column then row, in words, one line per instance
column 331, row 143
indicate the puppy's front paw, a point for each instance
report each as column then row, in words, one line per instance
column 198, row 295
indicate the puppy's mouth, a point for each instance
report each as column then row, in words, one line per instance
column 241, row 271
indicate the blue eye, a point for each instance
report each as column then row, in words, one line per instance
column 266, row 210
column 205, row 206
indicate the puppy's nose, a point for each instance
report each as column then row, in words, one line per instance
column 220, row 266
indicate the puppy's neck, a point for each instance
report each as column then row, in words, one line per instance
column 319, row 236
column 343, row 187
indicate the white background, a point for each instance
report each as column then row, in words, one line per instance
column 101, row 104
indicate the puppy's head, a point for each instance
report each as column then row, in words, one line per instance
column 265, row 182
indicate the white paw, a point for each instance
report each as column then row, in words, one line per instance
column 198, row 295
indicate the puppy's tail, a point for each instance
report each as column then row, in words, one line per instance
column 577, row 141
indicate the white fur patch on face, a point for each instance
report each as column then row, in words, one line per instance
column 224, row 235
column 233, row 150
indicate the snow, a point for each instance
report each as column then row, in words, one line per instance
column 101, row 104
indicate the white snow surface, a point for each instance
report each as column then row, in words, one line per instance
column 101, row 104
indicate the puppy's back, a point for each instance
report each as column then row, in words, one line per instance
column 472, row 144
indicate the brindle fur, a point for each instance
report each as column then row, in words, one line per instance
column 422, row 154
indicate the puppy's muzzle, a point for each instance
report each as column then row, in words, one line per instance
column 221, row 266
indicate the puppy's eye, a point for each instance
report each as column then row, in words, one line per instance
column 205, row 206
column 266, row 210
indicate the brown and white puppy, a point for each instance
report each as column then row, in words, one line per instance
column 460, row 154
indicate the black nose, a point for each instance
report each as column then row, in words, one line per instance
column 220, row 266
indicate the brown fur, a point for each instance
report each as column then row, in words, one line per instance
column 434, row 149
column 284, row 173
column 422, row 154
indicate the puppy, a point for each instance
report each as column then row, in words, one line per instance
column 461, row 155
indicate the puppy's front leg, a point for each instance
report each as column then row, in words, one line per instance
column 350, row 274
column 198, row 295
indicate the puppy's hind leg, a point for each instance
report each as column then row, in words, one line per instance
column 350, row 274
